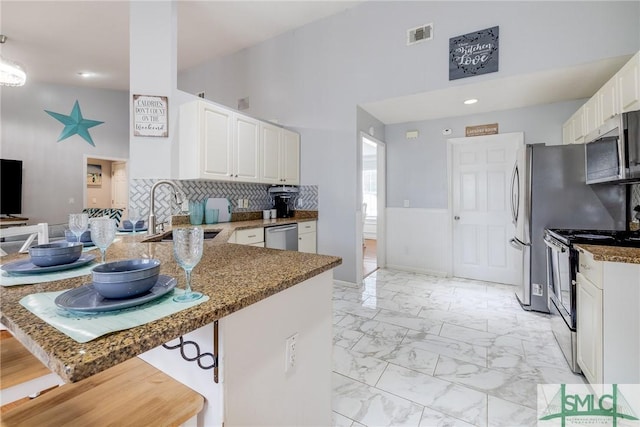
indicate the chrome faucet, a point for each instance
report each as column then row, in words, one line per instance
column 152, row 216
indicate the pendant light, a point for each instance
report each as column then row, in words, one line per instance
column 11, row 74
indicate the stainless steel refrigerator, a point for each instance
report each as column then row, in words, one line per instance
column 548, row 190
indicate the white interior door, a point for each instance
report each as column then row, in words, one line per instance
column 482, row 224
column 120, row 186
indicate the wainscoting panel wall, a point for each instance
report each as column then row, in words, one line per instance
column 419, row 240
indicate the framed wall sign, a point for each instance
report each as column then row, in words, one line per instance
column 474, row 53
column 150, row 115
column 490, row 129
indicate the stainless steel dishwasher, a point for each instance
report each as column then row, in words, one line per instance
column 282, row 237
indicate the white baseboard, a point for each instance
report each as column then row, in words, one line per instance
column 410, row 269
column 345, row 283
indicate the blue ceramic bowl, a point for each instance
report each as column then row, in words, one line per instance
column 84, row 237
column 128, row 225
column 127, row 278
column 57, row 253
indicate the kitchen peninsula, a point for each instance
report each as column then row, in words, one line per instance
column 259, row 297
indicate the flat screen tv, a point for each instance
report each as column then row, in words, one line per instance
column 10, row 187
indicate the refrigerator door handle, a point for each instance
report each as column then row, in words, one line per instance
column 515, row 193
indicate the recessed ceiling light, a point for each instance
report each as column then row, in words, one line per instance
column 470, row 101
column 85, row 74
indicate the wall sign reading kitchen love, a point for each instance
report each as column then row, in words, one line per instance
column 473, row 54
column 150, row 115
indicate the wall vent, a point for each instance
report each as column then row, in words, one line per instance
column 419, row 34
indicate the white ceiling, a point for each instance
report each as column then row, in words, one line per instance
column 55, row 40
column 525, row 90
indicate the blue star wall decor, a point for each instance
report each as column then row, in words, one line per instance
column 74, row 123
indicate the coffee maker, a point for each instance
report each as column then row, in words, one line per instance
column 282, row 204
column 284, row 197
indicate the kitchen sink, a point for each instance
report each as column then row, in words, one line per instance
column 207, row 235
column 167, row 236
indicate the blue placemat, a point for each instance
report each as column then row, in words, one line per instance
column 86, row 327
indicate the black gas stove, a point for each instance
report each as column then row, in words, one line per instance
column 596, row 237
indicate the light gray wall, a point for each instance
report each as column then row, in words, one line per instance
column 53, row 171
column 417, row 168
column 312, row 78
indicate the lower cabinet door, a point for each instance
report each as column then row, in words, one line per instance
column 307, row 243
column 589, row 329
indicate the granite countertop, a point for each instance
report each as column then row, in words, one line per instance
column 613, row 253
column 233, row 276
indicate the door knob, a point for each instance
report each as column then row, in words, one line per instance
column 456, row 217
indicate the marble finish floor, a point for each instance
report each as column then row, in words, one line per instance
column 417, row 350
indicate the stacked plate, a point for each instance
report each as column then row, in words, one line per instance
column 50, row 257
column 118, row 285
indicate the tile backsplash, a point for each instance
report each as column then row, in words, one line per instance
column 635, row 197
column 139, row 195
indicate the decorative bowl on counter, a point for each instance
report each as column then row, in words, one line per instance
column 84, row 237
column 57, row 253
column 126, row 278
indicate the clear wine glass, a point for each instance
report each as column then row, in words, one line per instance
column 103, row 231
column 134, row 216
column 78, row 224
column 187, row 249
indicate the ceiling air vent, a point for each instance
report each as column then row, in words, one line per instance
column 419, row 34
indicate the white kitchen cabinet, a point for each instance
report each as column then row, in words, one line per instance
column 270, row 158
column 620, row 94
column 567, row 132
column 290, row 157
column 307, row 237
column 249, row 236
column 245, row 149
column 608, row 320
column 206, row 141
column 589, row 329
column 629, row 85
column 279, row 155
column 577, row 126
column 218, row 143
column 591, row 115
column 608, row 99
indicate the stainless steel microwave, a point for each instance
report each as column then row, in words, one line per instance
column 612, row 152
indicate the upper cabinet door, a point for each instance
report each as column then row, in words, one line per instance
column 270, row 153
column 246, row 149
column 578, row 126
column 609, row 104
column 290, row 157
column 591, row 115
column 217, row 143
column 629, row 85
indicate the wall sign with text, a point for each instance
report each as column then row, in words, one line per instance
column 150, row 115
column 474, row 53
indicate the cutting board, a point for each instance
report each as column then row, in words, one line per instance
column 223, row 206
